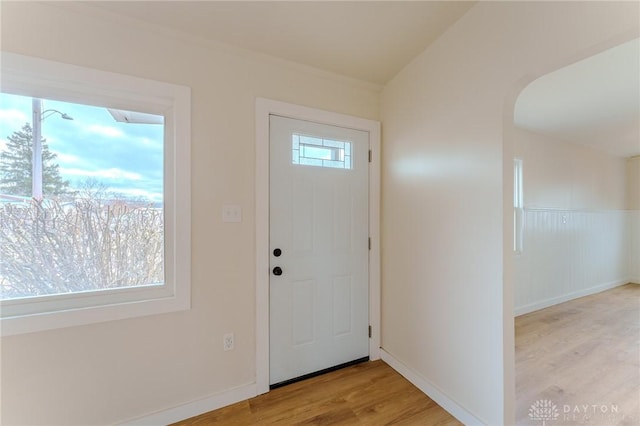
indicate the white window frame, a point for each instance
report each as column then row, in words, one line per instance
column 33, row 77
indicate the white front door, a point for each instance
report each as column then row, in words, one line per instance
column 319, row 260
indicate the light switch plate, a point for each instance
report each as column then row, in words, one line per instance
column 231, row 213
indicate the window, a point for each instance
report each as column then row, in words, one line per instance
column 518, row 206
column 313, row 151
column 94, row 192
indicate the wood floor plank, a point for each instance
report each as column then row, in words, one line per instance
column 584, row 352
column 370, row 393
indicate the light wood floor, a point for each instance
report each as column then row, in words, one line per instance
column 370, row 393
column 582, row 352
column 579, row 354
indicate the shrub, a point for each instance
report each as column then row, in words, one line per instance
column 50, row 247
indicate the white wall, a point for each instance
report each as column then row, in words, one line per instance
column 114, row 371
column 577, row 236
column 634, row 251
column 563, row 175
column 446, row 297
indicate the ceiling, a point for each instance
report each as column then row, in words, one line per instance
column 366, row 40
column 594, row 102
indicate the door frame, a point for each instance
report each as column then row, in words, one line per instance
column 265, row 108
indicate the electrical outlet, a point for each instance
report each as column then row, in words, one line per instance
column 231, row 213
column 227, row 342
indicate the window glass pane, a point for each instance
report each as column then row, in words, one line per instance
column 334, row 144
column 518, row 207
column 97, row 222
column 334, row 164
column 310, row 162
column 308, row 140
column 317, row 152
column 312, row 151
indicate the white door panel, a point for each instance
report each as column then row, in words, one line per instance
column 319, row 220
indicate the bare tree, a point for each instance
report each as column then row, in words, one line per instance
column 92, row 243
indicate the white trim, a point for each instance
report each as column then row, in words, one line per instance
column 264, row 107
column 431, row 390
column 521, row 310
column 195, row 408
column 29, row 76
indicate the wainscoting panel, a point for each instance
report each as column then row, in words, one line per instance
column 634, row 252
column 568, row 254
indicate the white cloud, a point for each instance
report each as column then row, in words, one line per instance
column 112, row 173
column 146, row 141
column 108, row 131
column 67, row 158
column 13, row 117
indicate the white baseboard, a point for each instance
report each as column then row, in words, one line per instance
column 443, row 400
column 195, row 408
column 521, row 310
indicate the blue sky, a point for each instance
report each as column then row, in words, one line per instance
column 128, row 158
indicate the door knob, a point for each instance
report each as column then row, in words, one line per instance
column 277, row 271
